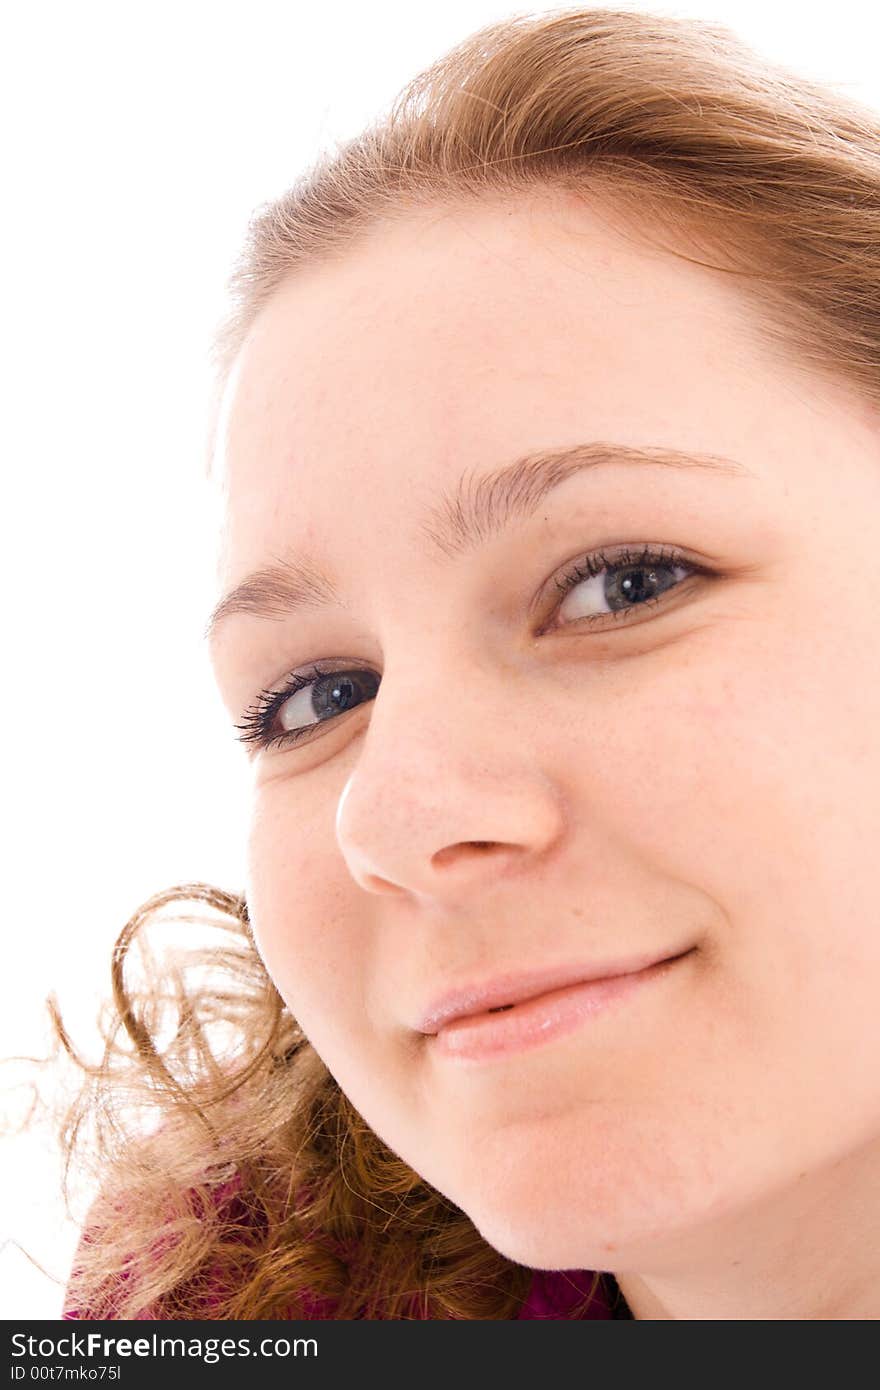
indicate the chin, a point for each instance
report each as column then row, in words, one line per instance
column 544, row 1226
column 555, row 1219
column 543, row 1238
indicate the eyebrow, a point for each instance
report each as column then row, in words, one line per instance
column 461, row 520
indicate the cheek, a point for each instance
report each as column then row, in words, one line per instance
column 312, row 929
column 734, row 787
column 304, row 922
column 761, row 786
column 750, row 754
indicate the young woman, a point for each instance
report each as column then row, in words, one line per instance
column 548, row 446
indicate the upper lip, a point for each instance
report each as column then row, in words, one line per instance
column 469, row 1000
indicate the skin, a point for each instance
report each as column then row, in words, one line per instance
column 707, row 776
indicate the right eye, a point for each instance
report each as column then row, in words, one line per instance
column 309, row 698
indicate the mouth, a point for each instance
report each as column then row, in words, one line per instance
column 481, row 1029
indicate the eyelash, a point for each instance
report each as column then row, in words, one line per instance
column 256, row 725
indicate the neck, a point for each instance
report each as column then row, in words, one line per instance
column 810, row 1252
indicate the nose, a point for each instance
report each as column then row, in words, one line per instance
column 446, row 801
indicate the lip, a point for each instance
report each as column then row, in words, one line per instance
column 534, row 1007
column 515, row 988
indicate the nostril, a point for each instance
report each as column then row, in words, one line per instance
column 453, row 852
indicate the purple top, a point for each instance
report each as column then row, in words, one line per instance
column 552, row 1293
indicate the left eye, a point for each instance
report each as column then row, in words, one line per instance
column 324, row 698
column 616, row 586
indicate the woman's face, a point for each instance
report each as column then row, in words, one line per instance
column 504, row 783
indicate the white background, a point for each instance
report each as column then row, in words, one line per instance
column 137, row 138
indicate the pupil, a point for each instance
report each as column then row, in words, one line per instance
column 337, row 693
column 342, row 691
column 635, row 592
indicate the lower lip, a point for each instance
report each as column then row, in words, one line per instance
column 481, row 1037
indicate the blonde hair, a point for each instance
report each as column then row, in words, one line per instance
column 252, row 1183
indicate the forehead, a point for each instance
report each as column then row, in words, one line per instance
column 459, row 338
